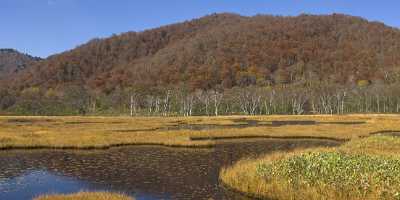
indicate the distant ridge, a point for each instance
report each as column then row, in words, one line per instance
column 223, row 50
column 12, row 61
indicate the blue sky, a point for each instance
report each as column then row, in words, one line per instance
column 45, row 27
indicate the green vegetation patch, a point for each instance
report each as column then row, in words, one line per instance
column 358, row 175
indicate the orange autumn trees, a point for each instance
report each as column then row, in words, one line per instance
column 222, row 54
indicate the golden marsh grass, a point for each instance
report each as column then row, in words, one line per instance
column 371, row 157
column 86, row 196
column 103, row 132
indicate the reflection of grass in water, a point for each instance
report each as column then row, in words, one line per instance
column 366, row 168
column 102, row 132
column 86, row 196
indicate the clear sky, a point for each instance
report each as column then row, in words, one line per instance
column 45, row 27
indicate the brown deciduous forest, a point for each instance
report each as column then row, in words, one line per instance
column 220, row 64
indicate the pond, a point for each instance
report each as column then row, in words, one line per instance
column 145, row 172
column 238, row 123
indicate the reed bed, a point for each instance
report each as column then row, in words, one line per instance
column 24, row 132
column 367, row 168
column 85, row 196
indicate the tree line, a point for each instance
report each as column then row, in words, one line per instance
column 305, row 98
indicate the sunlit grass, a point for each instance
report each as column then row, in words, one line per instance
column 86, row 196
column 104, row 132
column 336, row 174
column 366, row 168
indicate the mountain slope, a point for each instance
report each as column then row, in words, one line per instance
column 227, row 50
column 12, row 61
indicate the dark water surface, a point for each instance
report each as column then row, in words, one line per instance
column 239, row 123
column 145, row 172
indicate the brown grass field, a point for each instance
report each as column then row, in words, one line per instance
column 86, row 196
column 26, row 132
column 103, row 132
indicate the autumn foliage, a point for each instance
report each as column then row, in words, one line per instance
column 224, row 51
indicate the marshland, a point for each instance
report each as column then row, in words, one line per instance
column 199, row 100
column 85, row 196
column 226, row 157
column 105, row 132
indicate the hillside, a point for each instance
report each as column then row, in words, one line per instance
column 324, row 56
column 229, row 50
column 12, row 61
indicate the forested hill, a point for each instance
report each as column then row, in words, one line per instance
column 12, row 61
column 261, row 64
column 229, row 50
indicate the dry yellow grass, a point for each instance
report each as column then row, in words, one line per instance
column 243, row 176
column 103, row 132
column 86, row 196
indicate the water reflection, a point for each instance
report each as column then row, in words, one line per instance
column 28, row 185
column 146, row 172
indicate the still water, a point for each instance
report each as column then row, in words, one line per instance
column 144, row 172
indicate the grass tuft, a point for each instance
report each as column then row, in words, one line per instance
column 85, row 196
column 357, row 176
column 367, row 168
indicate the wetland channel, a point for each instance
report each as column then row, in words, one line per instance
column 144, row 172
